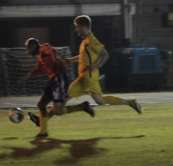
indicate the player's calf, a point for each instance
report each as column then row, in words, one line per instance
column 57, row 109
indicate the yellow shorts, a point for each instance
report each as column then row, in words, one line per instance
column 84, row 86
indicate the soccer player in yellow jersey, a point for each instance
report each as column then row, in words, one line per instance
column 92, row 56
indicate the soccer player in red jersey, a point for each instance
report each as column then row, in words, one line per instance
column 49, row 63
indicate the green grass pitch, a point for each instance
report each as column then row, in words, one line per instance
column 116, row 137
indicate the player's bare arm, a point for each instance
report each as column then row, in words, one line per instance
column 72, row 59
column 102, row 59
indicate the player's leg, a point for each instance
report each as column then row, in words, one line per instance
column 84, row 106
column 43, row 116
column 96, row 93
column 54, row 92
column 56, row 109
column 75, row 86
column 92, row 86
column 113, row 100
column 60, row 97
column 42, row 120
column 60, row 109
column 77, row 89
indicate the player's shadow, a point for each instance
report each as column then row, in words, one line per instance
column 87, row 148
column 9, row 138
column 78, row 148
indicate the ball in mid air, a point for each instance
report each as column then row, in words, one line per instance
column 16, row 115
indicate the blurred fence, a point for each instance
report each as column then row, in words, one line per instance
column 15, row 63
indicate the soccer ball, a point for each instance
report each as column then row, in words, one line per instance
column 16, row 115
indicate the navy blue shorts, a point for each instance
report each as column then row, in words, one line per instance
column 56, row 89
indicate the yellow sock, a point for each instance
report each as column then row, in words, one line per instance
column 43, row 124
column 112, row 100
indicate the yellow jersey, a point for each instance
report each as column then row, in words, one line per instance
column 89, row 51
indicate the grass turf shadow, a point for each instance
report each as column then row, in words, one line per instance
column 78, row 148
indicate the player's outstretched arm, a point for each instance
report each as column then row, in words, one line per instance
column 73, row 59
column 102, row 58
column 105, row 57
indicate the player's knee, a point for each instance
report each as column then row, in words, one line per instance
column 98, row 99
column 99, row 102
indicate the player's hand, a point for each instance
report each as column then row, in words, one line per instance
column 72, row 60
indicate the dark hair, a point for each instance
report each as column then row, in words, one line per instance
column 34, row 44
column 31, row 41
column 83, row 20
